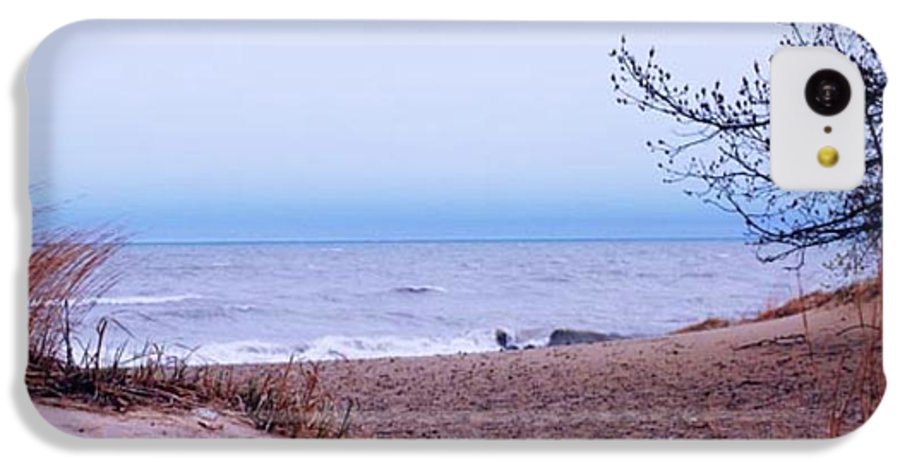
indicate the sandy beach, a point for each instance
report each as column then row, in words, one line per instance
column 766, row 379
column 482, row 231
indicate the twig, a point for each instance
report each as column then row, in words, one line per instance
column 858, row 326
column 784, row 340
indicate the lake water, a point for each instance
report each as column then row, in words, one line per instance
column 239, row 303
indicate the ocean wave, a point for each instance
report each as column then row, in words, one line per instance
column 245, row 351
column 553, row 279
column 341, row 347
column 702, row 275
column 134, row 300
column 418, row 289
column 242, row 307
column 337, row 347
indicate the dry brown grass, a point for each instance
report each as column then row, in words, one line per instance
column 287, row 400
column 62, row 279
column 867, row 384
column 292, row 402
column 797, row 305
column 859, row 292
column 66, row 273
column 707, row 324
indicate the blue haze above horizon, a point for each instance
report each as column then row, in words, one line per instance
column 273, row 131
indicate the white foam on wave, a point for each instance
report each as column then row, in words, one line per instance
column 337, row 347
column 127, row 300
column 242, row 307
column 245, row 351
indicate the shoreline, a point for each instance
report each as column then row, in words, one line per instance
column 779, row 377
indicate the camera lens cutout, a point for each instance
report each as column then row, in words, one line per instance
column 828, row 92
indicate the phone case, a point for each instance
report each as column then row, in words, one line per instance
column 440, row 230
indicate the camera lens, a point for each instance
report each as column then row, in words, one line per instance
column 828, row 92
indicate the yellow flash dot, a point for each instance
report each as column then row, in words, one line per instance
column 828, row 156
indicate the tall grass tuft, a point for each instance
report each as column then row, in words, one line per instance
column 866, row 385
column 291, row 402
column 63, row 279
column 67, row 273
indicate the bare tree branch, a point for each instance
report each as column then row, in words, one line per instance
column 736, row 177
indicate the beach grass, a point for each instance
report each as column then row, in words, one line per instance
column 65, row 275
column 857, row 293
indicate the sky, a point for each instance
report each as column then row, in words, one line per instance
column 216, row 131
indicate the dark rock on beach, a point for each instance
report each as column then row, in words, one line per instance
column 558, row 337
column 572, row 337
column 505, row 341
column 502, row 338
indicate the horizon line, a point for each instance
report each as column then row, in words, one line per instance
column 431, row 240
